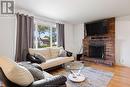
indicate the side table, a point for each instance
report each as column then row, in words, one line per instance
column 79, row 57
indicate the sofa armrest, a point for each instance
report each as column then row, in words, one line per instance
column 56, row 81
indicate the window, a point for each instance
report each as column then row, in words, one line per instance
column 45, row 35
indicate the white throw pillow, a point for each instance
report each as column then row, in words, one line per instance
column 62, row 53
column 15, row 72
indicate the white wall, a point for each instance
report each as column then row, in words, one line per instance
column 123, row 40
column 69, row 37
column 78, row 37
column 7, row 36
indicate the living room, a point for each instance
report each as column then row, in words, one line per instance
column 82, row 43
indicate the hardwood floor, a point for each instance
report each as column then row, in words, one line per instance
column 121, row 75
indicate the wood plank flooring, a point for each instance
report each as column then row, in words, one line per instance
column 121, row 75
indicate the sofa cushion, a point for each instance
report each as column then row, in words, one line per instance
column 44, row 51
column 16, row 73
column 55, row 62
column 54, row 52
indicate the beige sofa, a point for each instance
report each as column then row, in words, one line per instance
column 52, row 56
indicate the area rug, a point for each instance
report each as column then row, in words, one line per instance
column 94, row 78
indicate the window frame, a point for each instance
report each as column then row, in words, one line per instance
column 51, row 25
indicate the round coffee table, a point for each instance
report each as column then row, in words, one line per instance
column 75, row 71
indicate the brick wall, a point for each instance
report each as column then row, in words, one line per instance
column 107, row 40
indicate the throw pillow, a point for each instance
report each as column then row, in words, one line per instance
column 69, row 54
column 16, row 73
column 62, row 53
column 37, row 74
column 36, row 58
column 40, row 57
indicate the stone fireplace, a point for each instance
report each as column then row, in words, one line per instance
column 101, row 48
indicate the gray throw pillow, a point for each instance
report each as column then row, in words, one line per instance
column 36, row 73
column 41, row 58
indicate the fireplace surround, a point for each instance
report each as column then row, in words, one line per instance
column 107, row 41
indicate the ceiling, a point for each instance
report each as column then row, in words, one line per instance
column 76, row 11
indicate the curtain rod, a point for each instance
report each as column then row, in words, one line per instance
column 44, row 19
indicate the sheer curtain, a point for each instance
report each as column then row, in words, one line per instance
column 24, row 39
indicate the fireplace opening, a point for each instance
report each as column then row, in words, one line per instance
column 97, row 51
